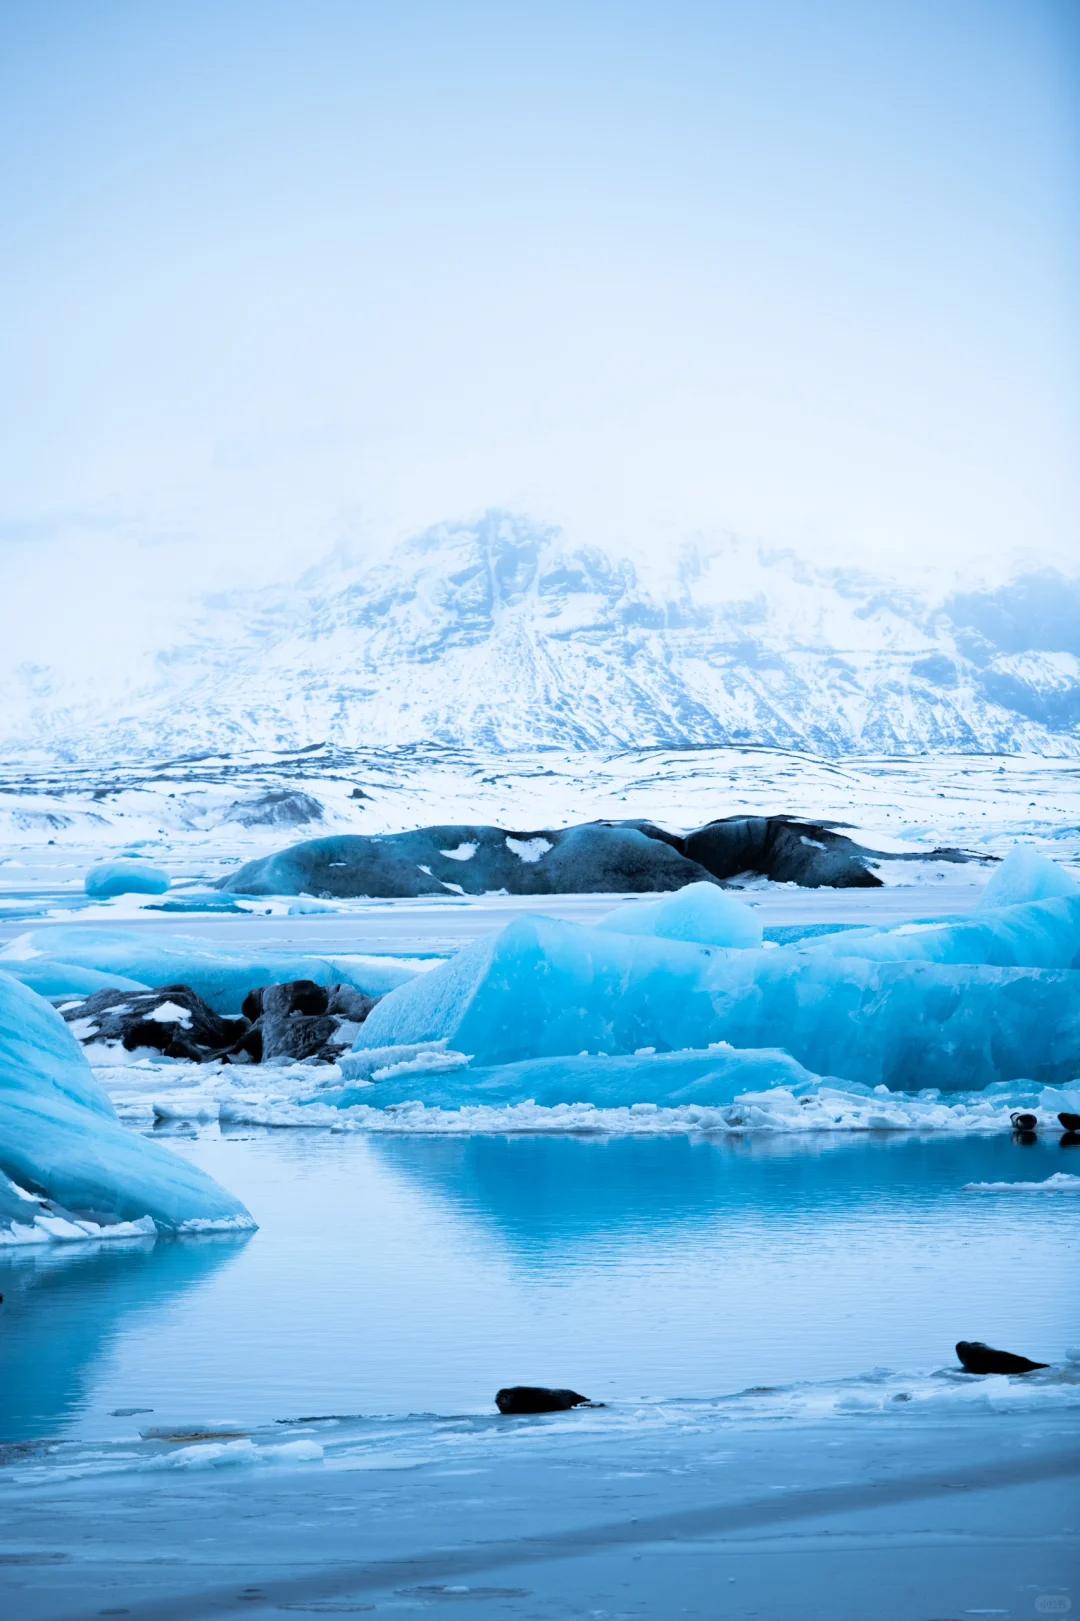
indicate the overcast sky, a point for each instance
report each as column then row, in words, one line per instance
column 279, row 275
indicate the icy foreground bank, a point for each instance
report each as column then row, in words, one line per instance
column 68, row 1168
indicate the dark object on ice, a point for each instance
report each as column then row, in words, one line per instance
column 344, row 1002
column 539, row 1399
column 1069, row 1122
column 299, row 1036
column 171, row 1015
column 276, row 807
column 976, row 1357
column 1024, row 1124
column 296, row 996
column 785, row 850
column 298, row 1020
column 592, row 858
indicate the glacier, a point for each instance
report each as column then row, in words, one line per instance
column 68, row 1168
column 125, row 876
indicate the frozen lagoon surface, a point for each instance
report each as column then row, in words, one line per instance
column 769, row 1316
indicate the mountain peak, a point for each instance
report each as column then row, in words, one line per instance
column 499, row 632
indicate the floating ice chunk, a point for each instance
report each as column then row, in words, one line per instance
column 126, row 877
column 543, row 988
column 1025, row 875
column 226, row 1454
column 1035, row 934
column 433, row 1055
column 1060, row 1182
column 61, row 1144
column 701, row 913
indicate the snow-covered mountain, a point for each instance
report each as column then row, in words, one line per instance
column 502, row 634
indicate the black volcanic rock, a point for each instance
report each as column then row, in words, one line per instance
column 158, row 1018
column 592, row 858
column 783, row 849
column 277, row 807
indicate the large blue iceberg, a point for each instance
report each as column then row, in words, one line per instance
column 542, row 988
column 68, row 1168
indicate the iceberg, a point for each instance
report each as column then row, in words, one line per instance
column 125, row 877
column 700, row 913
column 1033, row 934
column 1025, row 875
column 68, row 1168
column 544, row 988
column 142, row 959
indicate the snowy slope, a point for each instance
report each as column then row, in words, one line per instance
column 502, row 635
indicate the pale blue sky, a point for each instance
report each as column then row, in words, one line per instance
column 277, row 275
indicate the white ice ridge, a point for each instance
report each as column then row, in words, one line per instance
column 1060, row 1182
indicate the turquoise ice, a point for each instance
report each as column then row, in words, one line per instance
column 542, row 988
column 126, row 877
column 68, row 1168
column 701, row 913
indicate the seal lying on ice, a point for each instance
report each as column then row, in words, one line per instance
column 976, row 1357
column 538, row 1399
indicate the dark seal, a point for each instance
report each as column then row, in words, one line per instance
column 539, row 1399
column 975, row 1357
column 1024, row 1122
column 1069, row 1122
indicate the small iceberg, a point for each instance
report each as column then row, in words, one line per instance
column 68, row 1169
column 126, row 876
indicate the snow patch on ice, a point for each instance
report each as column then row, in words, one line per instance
column 528, row 850
column 464, row 851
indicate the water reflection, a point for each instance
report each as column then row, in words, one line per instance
column 64, row 1304
column 409, row 1274
column 546, row 1195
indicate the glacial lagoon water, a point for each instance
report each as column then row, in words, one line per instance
column 397, row 1275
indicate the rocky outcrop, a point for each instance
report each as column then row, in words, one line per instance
column 593, row 858
column 295, row 1021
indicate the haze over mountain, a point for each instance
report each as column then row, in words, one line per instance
column 502, row 633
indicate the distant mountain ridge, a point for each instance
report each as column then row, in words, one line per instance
column 502, row 634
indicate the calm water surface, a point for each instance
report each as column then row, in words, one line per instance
column 395, row 1275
